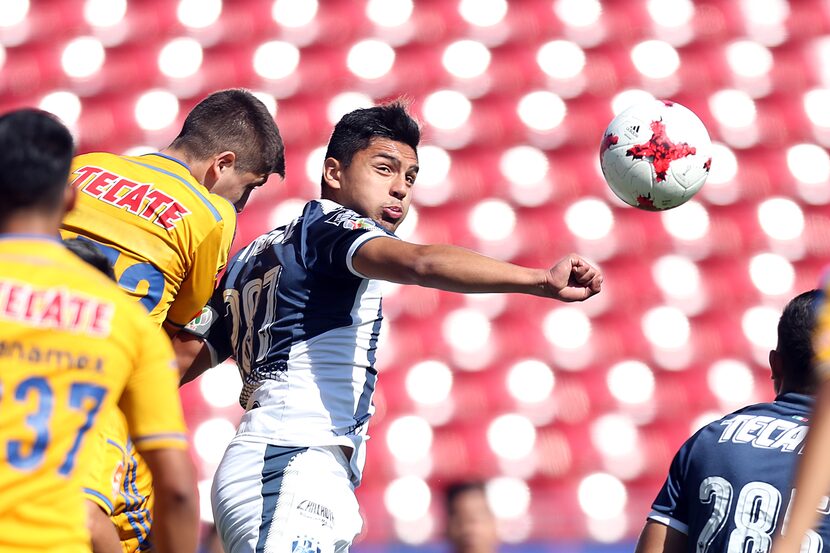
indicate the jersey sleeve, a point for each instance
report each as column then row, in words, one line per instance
column 671, row 505
column 209, row 325
column 209, row 259
column 150, row 400
column 332, row 241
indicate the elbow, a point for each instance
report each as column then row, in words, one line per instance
column 178, row 494
column 423, row 267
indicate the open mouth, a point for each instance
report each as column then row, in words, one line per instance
column 392, row 213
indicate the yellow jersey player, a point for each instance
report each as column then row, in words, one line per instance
column 72, row 348
column 166, row 222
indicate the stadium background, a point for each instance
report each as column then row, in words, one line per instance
column 572, row 412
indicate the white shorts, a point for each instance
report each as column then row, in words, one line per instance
column 270, row 498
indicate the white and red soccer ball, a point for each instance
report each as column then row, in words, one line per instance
column 656, row 155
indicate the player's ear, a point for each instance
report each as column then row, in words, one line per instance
column 70, row 195
column 224, row 161
column 332, row 172
column 775, row 365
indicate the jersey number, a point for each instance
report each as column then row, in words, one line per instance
column 135, row 275
column 756, row 517
column 251, row 294
column 83, row 397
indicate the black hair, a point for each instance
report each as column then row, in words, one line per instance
column 356, row 129
column 234, row 120
column 457, row 489
column 35, row 151
column 87, row 251
column 795, row 338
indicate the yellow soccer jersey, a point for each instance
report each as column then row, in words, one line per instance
column 72, row 347
column 165, row 234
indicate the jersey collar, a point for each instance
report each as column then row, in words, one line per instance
column 171, row 158
column 804, row 401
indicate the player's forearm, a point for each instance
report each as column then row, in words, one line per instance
column 192, row 356
column 459, row 270
column 659, row 538
column 454, row 269
column 176, row 520
column 176, row 509
column 102, row 531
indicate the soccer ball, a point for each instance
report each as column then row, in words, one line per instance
column 655, row 155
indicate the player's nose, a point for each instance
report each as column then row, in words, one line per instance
column 399, row 189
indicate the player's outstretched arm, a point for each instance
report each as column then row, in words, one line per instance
column 176, row 508
column 460, row 270
column 812, row 476
column 659, row 538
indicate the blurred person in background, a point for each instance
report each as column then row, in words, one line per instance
column 729, row 486
column 300, row 311
column 471, row 525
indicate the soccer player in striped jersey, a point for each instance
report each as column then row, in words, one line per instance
column 166, row 222
column 72, row 348
column 729, row 487
column 300, row 311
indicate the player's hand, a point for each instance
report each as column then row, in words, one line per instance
column 573, row 279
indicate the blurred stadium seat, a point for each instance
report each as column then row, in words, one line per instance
column 547, row 76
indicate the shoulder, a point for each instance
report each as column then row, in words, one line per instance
column 94, row 156
column 94, row 160
column 226, row 209
column 330, row 215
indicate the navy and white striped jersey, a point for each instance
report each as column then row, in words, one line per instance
column 302, row 325
column 729, row 486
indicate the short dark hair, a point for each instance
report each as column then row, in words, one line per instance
column 356, row 129
column 87, row 251
column 36, row 151
column 234, row 120
column 795, row 338
column 457, row 489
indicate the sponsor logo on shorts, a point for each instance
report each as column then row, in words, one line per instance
column 305, row 545
column 316, row 511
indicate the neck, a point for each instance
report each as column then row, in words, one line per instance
column 789, row 388
column 31, row 222
column 197, row 168
column 328, row 194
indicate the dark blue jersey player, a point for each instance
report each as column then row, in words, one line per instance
column 729, row 486
column 300, row 311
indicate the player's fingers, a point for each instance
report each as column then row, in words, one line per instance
column 577, row 293
column 584, row 272
column 596, row 284
column 585, row 276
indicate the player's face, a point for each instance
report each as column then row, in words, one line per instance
column 471, row 527
column 378, row 182
column 236, row 187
